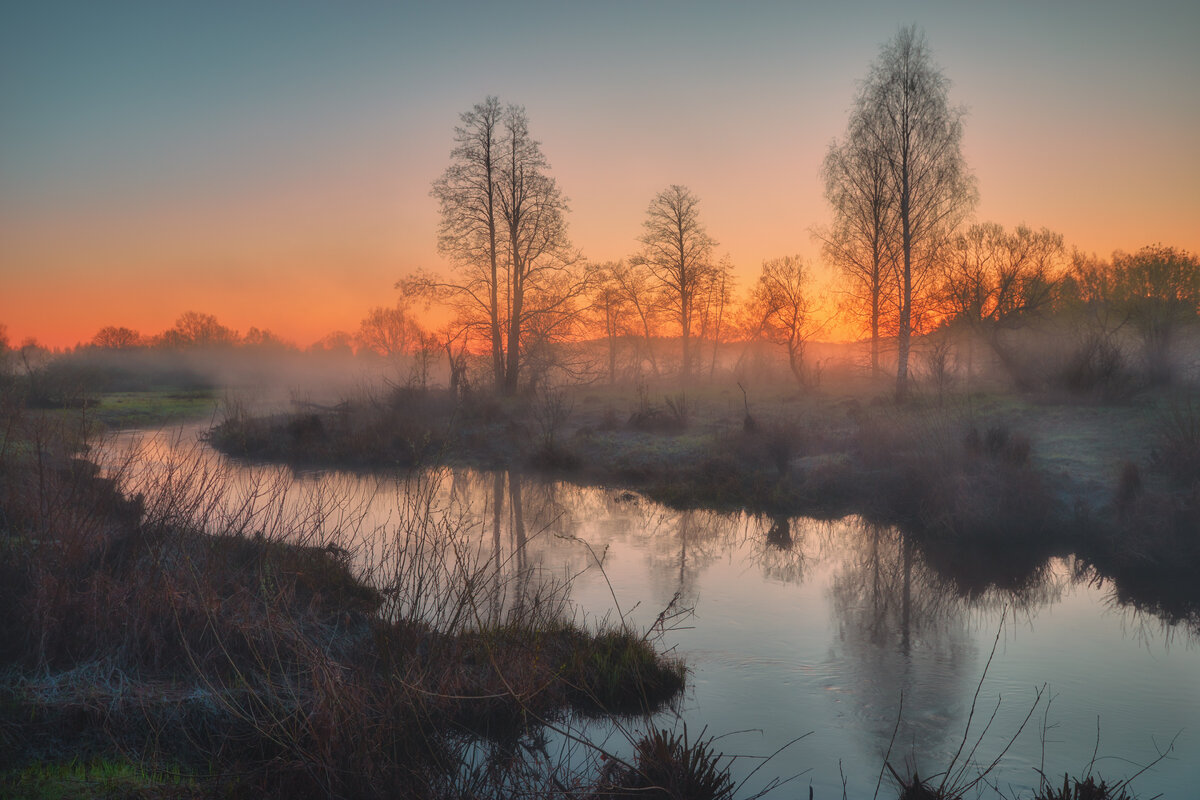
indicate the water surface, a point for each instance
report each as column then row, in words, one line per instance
column 797, row 626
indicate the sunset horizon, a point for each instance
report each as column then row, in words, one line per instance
column 151, row 165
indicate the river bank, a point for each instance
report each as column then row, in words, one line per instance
column 246, row 656
column 1000, row 480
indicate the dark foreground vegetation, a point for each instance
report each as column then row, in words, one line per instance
column 158, row 646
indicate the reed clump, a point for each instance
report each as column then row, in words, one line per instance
column 669, row 765
column 1086, row 789
column 1177, row 449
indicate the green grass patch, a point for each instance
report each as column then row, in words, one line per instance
column 617, row 671
column 99, row 779
column 610, row 670
column 149, row 409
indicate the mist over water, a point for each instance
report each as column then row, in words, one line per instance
column 799, row 626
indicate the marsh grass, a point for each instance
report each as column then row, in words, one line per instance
column 261, row 638
column 392, row 427
column 934, row 464
column 267, row 639
column 988, row 484
column 932, row 470
column 146, row 409
column 1150, row 551
column 671, row 416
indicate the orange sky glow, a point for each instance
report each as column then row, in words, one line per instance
column 287, row 186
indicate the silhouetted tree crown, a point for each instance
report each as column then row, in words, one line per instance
column 677, row 252
column 905, row 137
column 503, row 224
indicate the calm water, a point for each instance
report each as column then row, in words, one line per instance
column 806, row 627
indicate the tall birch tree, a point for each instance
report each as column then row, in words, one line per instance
column 903, row 117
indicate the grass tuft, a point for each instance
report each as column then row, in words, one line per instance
column 1086, row 789
column 671, row 766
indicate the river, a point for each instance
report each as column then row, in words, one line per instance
column 841, row 630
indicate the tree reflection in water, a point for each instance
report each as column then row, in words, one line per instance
column 778, row 546
column 700, row 537
column 898, row 633
column 779, row 535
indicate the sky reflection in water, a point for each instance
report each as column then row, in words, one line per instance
column 803, row 625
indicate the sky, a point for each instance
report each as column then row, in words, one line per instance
column 270, row 163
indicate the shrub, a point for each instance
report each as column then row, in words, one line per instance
column 216, row 631
column 1177, row 450
column 927, row 475
column 1001, row 444
column 1098, row 366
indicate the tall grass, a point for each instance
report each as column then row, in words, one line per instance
column 267, row 636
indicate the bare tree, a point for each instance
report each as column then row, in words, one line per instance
column 335, row 343
column 611, row 311
column 542, row 289
column 992, row 275
column 5, row 349
column 903, row 114
column 266, row 339
column 1158, row 290
column 714, row 298
column 860, row 242
column 993, row 278
column 467, row 195
column 504, row 227
column 783, row 311
column 677, row 251
column 195, row 329
column 113, row 337
column 388, row 332
column 454, row 341
column 636, row 284
column 1154, row 291
column 1088, row 281
column 551, row 322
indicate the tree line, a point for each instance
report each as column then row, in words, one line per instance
column 900, row 192
column 905, row 262
column 384, row 332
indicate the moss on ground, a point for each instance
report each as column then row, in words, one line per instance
column 99, row 779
